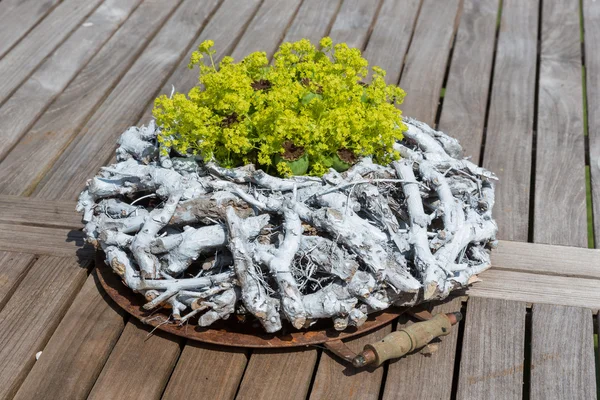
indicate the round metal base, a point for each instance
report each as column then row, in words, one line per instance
column 232, row 332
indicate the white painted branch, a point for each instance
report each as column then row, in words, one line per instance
column 140, row 247
column 248, row 174
column 193, row 242
column 135, row 142
column 430, row 270
column 254, row 295
column 208, row 207
column 221, row 307
column 331, row 301
column 432, row 140
column 279, row 266
column 328, row 257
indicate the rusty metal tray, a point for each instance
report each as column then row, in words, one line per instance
column 233, row 332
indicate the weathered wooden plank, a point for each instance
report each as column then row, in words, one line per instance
column 562, row 353
column 41, row 41
column 139, row 365
column 60, row 242
column 126, row 103
column 224, row 28
column 493, row 350
column 267, row 28
column 21, row 110
column 30, row 211
column 313, row 20
column 206, row 371
column 425, row 64
column 17, row 17
column 13, row 267
column 353, row 22
column 560, row 215
column 74, row 356
column 278, row 374
column 48, row 138
column 424, row 377
column 391, row 36
column 536, row 288
column 467, row 88
column 591, row 22
column 31, row 315
column 336, row 379
column 229, row 22
column 547, row 259
column 510, row 123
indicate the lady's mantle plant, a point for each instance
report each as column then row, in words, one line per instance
column 309, row 104
column 188, row 219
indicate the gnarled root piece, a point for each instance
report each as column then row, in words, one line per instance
column 221, row 307
column 186, row 247
column 328, row 257
column 279, row 266
column 254, row 295
column 425, row 262
column 367, row 242
column 206, row 242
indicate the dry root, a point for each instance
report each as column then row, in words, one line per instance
column 209, row 242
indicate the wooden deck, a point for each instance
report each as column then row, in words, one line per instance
column 518, row 82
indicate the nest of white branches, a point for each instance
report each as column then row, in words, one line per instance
column 207, row 242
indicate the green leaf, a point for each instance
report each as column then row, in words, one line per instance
column 309, row 97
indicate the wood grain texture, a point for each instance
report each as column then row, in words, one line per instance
column 560, row 215
column 278, row 374
column 313, row 21
column 425, row 64
column 23, row 108
column 50, row 135
column 536, row 288
column 591, row 23
column 13, row 267
column 17, row 17
column 391, row 36
column 562, row 353
column 467, row 88
column 206, row 371
column 139, row 366
column 126, row 103
column 409, row 376
column 224, row 28
column 30, row 211
column 267, row 28
column 74, row 356
column 508, row 148
column 41, row 41
column 337, row 379
column 60, row 242
column 547, row 259
column 354, row 21
column 493, row 351
column 31, row 315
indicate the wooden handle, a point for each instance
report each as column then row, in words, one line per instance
column 401, row 342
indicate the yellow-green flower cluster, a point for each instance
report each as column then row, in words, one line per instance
column 245, row 112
